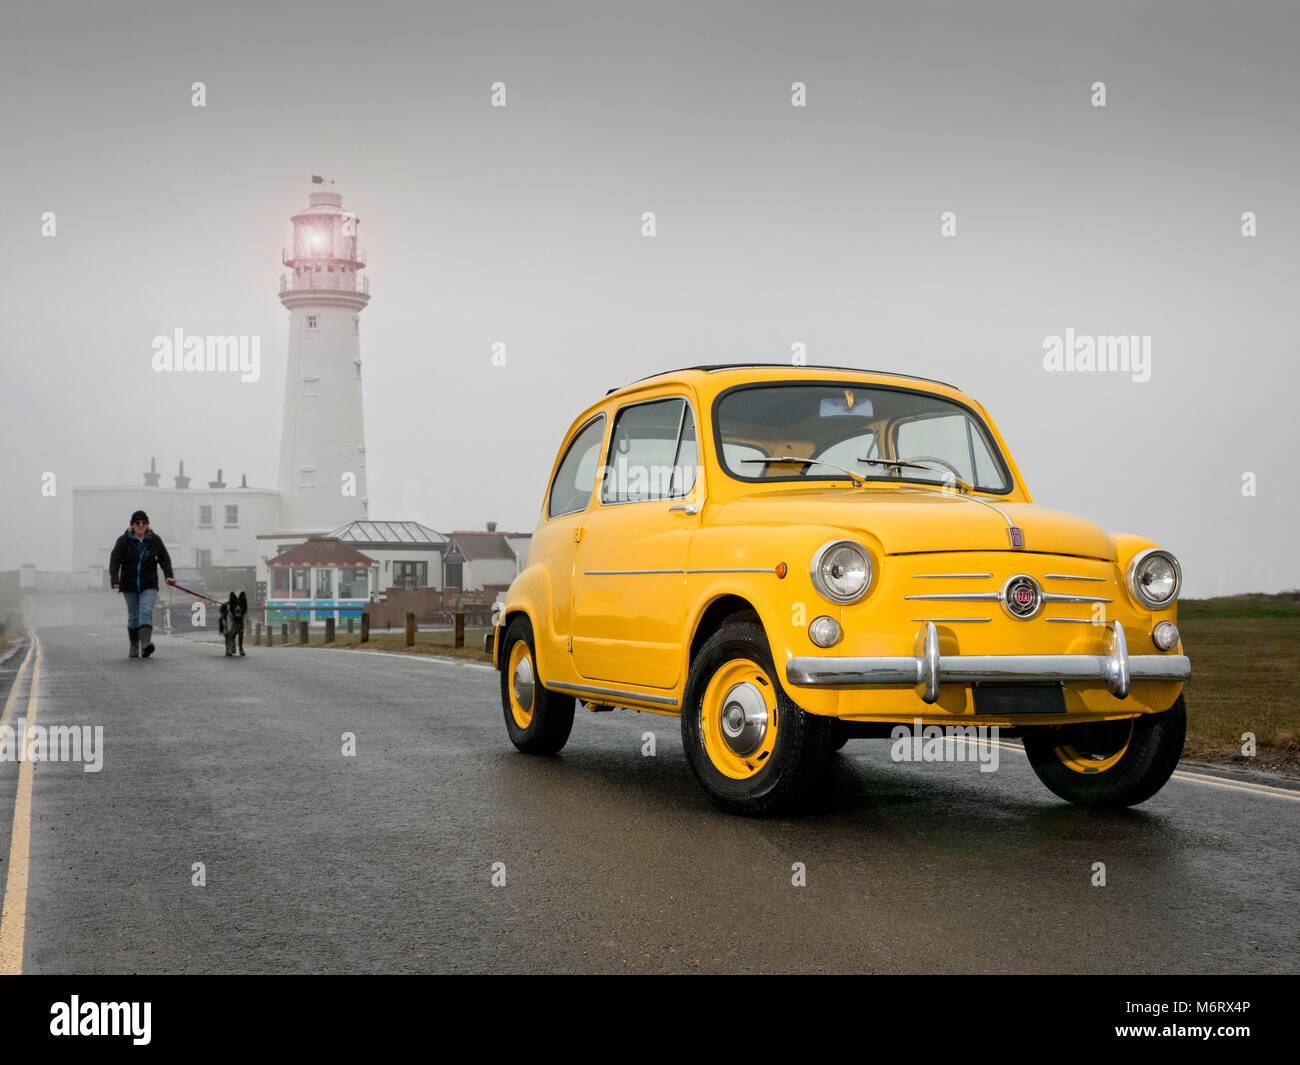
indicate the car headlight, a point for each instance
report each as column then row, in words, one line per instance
column 1154, row 578
column 841, row 571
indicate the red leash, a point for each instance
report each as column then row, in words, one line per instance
column 197, row 595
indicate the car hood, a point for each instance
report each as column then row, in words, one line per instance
column 911, row 520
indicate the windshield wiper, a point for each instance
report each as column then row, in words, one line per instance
column 856, row 478
column 947, row 473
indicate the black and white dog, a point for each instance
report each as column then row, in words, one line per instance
column 232, row 622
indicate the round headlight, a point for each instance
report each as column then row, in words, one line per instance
column 1154, row 578
column 841, row 571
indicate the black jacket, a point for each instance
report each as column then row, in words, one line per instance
column 133, row 565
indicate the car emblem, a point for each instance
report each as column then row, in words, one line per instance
column 1021, row 597
column 1017, row 537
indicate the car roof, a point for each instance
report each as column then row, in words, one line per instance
column 787, row 367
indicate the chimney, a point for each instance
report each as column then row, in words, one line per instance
column 218, row 483
column 181, row 480
column 244, row 480
column 492, row 526
column 151, row 478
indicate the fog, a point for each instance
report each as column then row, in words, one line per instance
column 775, row 225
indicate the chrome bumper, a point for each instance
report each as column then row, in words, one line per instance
column 927, row 669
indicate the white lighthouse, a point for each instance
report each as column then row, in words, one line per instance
column 322, row 439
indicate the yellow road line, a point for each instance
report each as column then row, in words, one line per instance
column 13, row 919
column 18, row 679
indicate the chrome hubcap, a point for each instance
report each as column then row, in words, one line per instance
column 744, row 718
column 522, row 683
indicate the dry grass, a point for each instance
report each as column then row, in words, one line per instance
column 1245, row 653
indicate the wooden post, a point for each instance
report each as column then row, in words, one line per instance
column 410, row 629
column 302, row 632
column 284, row 632
column 329, row 629
column 257, row 636
column 458, row 630
column 349, row 624
column 270, row 636
column 365, row 627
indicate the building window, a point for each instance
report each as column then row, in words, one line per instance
column 301, row 583
column 306, row 476
column 324, row 583
column 311, row 318
column 232, row 515
column 410, row 574
column 356, row 324
column 452, row 575
column 354, row 583
column 280, row 582
column 205, row 514
column 202, row 557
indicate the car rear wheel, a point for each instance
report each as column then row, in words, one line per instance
column 751, row 748
column 1110, row 763
column 538, row 721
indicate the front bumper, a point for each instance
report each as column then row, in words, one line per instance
column 927, row 669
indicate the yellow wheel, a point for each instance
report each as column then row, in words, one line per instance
column 739, row 719
column 750, row 747
column 538, row 721
column 1098, row 747
column 1109, row 763
column 522, row 677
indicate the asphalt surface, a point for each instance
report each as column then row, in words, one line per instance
column 614, row 861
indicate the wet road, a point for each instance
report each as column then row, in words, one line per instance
column 613, row 861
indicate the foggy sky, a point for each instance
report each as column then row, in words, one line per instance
column 776, row 225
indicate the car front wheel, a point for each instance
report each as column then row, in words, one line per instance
column 751, row 748
column 538, row 721
column 1109, row 764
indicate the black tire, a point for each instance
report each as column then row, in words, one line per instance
column 550, row 716
column 782, row 777
column 1154, row 746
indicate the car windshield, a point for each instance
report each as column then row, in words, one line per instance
column 912, row 436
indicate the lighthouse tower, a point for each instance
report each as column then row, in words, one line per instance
column 322, row 439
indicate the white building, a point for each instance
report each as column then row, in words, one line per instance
column 213, row 526
column 406, row 553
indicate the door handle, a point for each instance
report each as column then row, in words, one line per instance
column 685, row 508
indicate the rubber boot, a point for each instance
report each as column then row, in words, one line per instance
column 146, row 640
column 135, row 642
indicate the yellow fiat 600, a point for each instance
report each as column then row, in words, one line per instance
column 790, row 557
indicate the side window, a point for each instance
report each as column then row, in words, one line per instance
column 571, row 489
column 643, row 452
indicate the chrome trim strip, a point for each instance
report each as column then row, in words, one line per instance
column 954, row 576
column 1081, row 621
column 625, row 572
column 960, row 597
column 588, row 689
column 769, row 569
column 1116, row 668
column 1069, row 577
column 1058, row 597
column 945, row 620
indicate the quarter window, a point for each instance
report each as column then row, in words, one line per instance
column 576, row 477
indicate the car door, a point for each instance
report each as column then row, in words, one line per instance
column 556, row 539
column 630, row 571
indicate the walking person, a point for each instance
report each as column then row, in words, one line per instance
column 133, row 570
